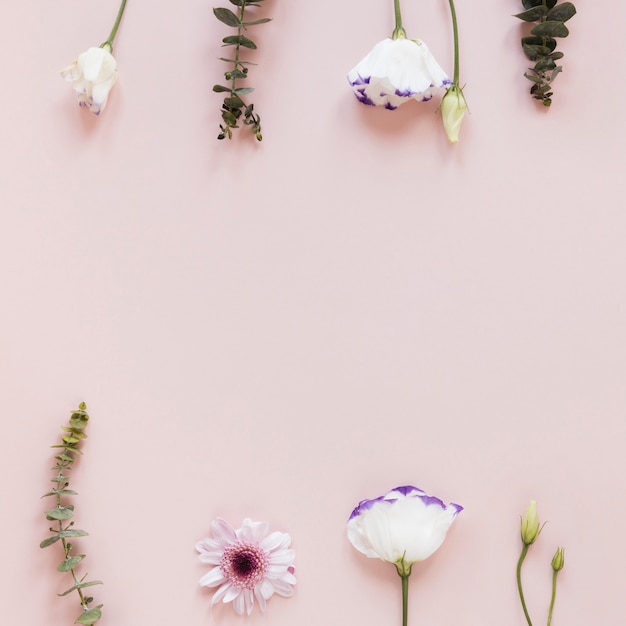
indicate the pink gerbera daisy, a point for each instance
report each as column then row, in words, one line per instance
column 250, row 563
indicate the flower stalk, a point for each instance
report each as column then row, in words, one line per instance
column 558, row 562
column 519, row 581
column 405, row 598
column 453, row 104
column 455, row 35
column 398, row 31
column 109, row 42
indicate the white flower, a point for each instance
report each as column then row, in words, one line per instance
column 402, row 527
column 453, row 108
column 397, row 70
column 92, row 75
column 249, row 564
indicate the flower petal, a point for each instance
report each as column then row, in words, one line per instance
column 404, row 526
column 212, row 578
column 397, row 70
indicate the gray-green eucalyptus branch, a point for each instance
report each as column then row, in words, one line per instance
column 61, row 515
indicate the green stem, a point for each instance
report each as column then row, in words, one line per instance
column 109, row 42
column 554, row 575
column 398, row 32
column 519, row 583
column 237, row 46
column 455, row 32
column 405, row 599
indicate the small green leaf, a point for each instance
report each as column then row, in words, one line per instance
column 544, row 65
column 551, row 28
column 242, row 91
column 60, row 492
column 239, row 40
column 557, row 70
column 60, row 513
column 72, row 532
column 535, row 52
column 64, row 457
column 534, row 77
column 80, row 586
column 562, row 12
column 529, row 4
column 237, row 3
column 234, row 102
column 70, row 563
column 227, row 17
column 89, row 617
column 221, row 88
column 262, row 20
column 229, row 118
column 532, row 15
column 49, row 541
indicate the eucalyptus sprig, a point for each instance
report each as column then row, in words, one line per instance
column 62, row 513
column 234, row 108
column 540, row 46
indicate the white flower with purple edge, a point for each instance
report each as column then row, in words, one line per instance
column 402, row 527
column 92, row 75
column 249, row 564
column 395, row 71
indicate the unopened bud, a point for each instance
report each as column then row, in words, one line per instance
column 558, row 561
column 453, row 108
column 530, row 524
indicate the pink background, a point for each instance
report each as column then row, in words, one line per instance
column 279, row 330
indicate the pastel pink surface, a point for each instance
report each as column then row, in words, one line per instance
column 280, row 330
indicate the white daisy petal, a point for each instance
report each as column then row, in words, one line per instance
column 265, row 588
column 223, row 532
column 282, row 557
column 220, row 593
column 253, row 531
column 238, row 603
column 261, row 601
column 282, row 588
column 275, row 541
column 231, row 594
column 248, row 597
column 212, row 578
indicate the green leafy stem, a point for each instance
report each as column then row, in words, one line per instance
column 540, row 46
column 62, row 513
column 234, row 108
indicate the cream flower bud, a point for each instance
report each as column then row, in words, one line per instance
column 558, row 561
column 92, row 75
column 453, row 108
column 530, row 524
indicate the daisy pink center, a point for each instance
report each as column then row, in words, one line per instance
column 244, row 564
